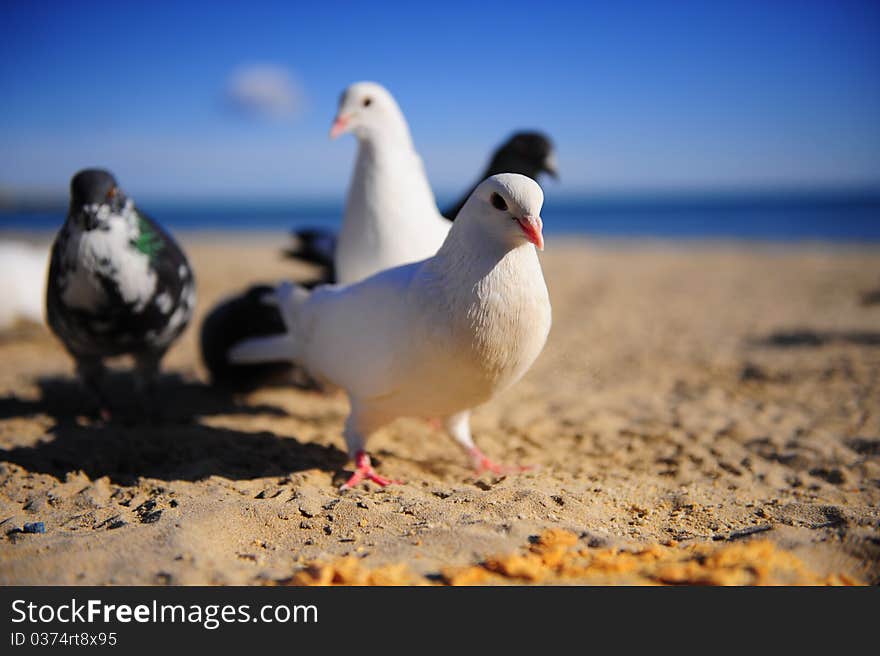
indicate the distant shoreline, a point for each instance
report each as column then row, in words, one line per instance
column 259, row 237
column 852, row 216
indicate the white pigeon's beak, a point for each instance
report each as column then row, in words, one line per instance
column 532, row 227
column 340, row 126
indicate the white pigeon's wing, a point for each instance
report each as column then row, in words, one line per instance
column 352, row 334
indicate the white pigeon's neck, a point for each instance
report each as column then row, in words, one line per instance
column 389, row 175
column 386, row 143
column 468, row 257
column 391, row 216
column 391, row 134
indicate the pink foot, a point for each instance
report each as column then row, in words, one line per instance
column 364, row 472
column 483, row 463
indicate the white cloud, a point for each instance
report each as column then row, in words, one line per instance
column 264, row 90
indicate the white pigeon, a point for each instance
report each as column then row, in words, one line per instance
column 23, row 269
column 391, row 217
column 433, row 338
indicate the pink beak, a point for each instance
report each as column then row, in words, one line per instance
column 532, row 226
column 339, row 126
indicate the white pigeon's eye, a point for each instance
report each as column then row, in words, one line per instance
column 498, row 202
column 367, row 102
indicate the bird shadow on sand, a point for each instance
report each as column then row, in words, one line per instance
column 806, row 338
column 177, row 448
column 64, row 399
column 871, row 297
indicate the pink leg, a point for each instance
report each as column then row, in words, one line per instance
column 364, row 472
column 483, row 463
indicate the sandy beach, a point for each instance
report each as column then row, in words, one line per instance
column 695, row 395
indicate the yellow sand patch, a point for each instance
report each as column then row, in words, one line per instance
column 350, row 571
column 555, row 558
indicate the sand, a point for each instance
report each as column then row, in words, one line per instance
column 700, row 395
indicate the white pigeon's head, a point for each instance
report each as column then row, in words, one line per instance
column 369, row 111
column 507, row 208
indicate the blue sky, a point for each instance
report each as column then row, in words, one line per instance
column 639, row 96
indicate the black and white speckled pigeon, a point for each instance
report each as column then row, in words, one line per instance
column 118, row 285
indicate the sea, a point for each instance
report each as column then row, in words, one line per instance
column 777, row 217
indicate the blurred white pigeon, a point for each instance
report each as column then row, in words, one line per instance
column 23, row 270
column 433, row 338
column 391, row 217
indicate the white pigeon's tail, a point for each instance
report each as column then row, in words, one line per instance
column 286, row 347
column 23, row 270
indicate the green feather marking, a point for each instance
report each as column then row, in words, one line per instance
column 148, row 242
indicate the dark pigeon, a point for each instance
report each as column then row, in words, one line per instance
column 526, row 153
column 315, row 246
column 118, row 285
column 241, row 317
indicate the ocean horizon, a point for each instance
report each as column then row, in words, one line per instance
column 839, row 217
